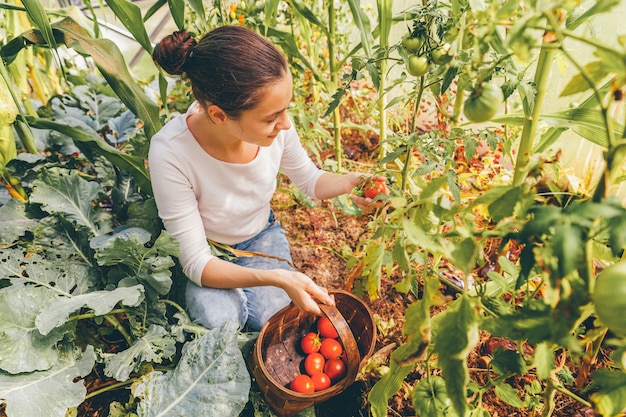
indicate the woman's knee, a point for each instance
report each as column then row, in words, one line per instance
column 212, row 307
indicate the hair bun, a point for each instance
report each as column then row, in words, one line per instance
column 173, row 52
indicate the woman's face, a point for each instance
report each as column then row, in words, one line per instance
column 261, row 125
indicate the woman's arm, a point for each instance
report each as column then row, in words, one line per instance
column 219, row 273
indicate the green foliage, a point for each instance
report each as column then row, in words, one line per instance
column 81, row 241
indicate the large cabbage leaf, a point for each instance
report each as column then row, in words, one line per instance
column 137, row 264
column 211, row 380
column 14, row 221
column 56, row 311
column 155, row 346
column 64, row 191
column 47, row 393
column 22, row 347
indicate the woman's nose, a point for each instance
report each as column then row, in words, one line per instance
column 283, row 122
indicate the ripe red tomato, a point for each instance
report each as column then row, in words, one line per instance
column 326, row 329
column 375, row 187
column 313, row 363
column 302, row 384
column 310, row 343
column 320, row 380
column 335, row 369
column 331, row 348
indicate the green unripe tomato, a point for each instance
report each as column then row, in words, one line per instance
column 609, row 297
column 483, row 103
column 411, row 45
column 418, row 65
column 440, row 55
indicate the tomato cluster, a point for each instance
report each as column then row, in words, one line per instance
column 372, row 187
column 324, row 363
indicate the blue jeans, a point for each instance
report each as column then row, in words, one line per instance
column 212, row 307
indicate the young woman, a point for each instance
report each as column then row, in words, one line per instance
column 214, row 172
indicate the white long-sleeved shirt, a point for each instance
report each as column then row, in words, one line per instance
column 200, row 197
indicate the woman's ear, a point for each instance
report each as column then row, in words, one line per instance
column 216, row 114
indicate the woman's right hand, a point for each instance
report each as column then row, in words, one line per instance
column 303, row 291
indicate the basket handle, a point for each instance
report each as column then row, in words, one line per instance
column 353, row 355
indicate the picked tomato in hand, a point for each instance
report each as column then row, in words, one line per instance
column 374, row 187
column 326, row 329
column 314, row 363
column 302, row 384
column 310, row 343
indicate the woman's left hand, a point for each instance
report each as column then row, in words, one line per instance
column 364, row 203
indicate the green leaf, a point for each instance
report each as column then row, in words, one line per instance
column 107, row 57
column 372, row 267
column 568, row 247
column 579, row 83
column 508, row 362
column 65, row 192
column 137, row 264
column 177, row 9
column 134, row 165
column 505, row 205
column 22, row 347
column 56, row 312
column 544, row 361
column 600, row 6
column 455, row 336
column 37, row 14
column 389, row 383
column 210, row 380
column 198, row 7
column 130, row 16
column 14, row 221
column 305, row 12
column 464, row 255
column 362, row 22
column 48, row 393
column 113, row 68
column 610, row 398
column 156, row 346
column 508, row 394
column 58, row 236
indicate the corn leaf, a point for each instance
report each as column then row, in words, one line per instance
column 130, row 16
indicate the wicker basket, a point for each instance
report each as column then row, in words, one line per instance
column 276, row 358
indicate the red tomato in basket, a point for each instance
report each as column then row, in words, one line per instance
column 320, row 380
column 326, row 329
column 331, row 348
column 302, row 384
column 314, row 363
column 310, row 343
column 335, row 369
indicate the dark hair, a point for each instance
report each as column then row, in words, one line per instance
column 228, row 67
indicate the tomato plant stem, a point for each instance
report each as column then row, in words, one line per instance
column 529, row 129
column 409, row 152
column 332, row 30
